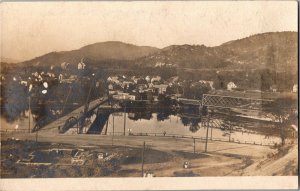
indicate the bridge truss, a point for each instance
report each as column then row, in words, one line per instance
column 230, row 102
column 235, row 102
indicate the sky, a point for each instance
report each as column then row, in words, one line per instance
column 31, row 29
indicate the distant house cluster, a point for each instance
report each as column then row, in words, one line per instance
column 148, row 87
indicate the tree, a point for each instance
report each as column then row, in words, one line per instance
column 285, row 114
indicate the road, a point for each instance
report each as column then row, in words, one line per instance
column 159, row 143
column 222, row 158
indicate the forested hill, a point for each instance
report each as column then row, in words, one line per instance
column 112, row 50
column 276, row 50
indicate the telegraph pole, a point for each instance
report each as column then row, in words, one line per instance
column 124, row 120
column 143, row 153
column 207, row 132
column 112, row 142
column 230, row 126
column 29, row 112
column 194, row 145
column 36, row 136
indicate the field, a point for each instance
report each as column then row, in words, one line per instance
column 163, row 157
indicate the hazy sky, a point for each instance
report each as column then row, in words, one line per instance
column 30, row 29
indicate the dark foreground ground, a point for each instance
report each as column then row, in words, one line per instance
column 27, row 158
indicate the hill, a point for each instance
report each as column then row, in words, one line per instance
column 112, row 50
column 8, row 60
column 276, row 50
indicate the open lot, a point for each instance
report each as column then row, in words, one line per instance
column 122, row 157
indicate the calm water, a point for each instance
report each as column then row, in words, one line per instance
column 175, row 124
column 161, row 123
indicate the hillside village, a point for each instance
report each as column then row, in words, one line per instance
column 149, row 74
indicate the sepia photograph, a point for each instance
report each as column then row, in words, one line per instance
column 149, row 95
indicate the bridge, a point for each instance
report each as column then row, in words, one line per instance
column 193, row 102
column 234, row 102
column 228, row 102
column 73, row 117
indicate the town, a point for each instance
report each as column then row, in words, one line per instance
column 54, row 92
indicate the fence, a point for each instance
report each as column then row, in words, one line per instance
column 181, row 136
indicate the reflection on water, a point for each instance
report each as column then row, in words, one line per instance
column 21, row 123
column 165, row 122
column 176, row 125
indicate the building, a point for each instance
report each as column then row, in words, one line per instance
column 69, row 80
column 113, row 79
column 160, row 64
column 126, row 84
column 231, row 86
column 273, row 88
column 23, row 83
column 295, row 88
column 60, row 77
column 80, row 66
column 148, row 79
column 162, row 88
column 155, row 79
column 124, row 96
column 210, row 83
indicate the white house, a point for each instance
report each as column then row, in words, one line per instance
column 231, row 86
column 273, row 88
column 148, row 79
column 126, row 83
column 52, row 75
column 295, row 88
column 124, row 96
column 114, row 79
column 155, row 79
column 81, row 65
column 36, row 74
column 160, row 64
column 23, row 83
column 40, row 78
column 210, row 83
column 110, row 87
column 60, row 77
column 162, row 88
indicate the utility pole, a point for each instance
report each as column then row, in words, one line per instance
column 29, row 112
column 36, row 136
column 194, row 145
column 124, row 120
column 230, row 125
column 113, row 130
column 143, row 153
column 211, row 128
column 207, row 133
column 106, row 126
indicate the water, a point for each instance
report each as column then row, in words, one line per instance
column 177, row 125
column 161, row 123
column 20, row 124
